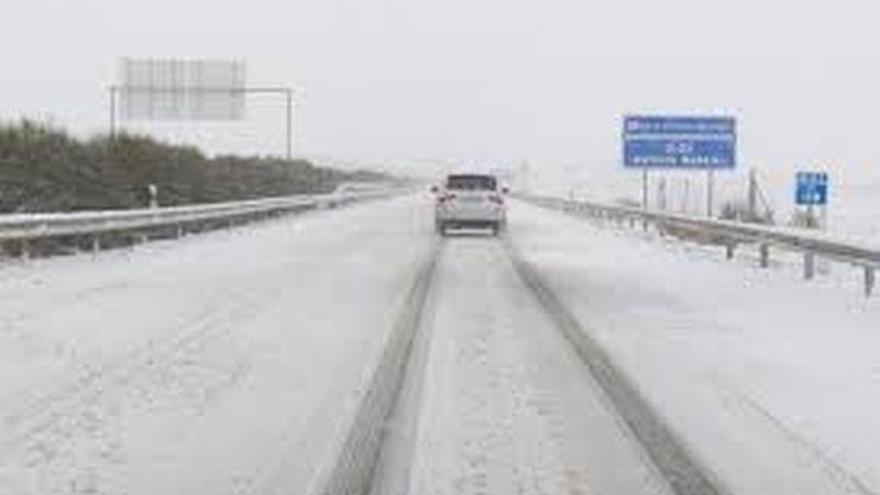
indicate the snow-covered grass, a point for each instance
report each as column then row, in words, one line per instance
column 774, row 381
column 220, row 363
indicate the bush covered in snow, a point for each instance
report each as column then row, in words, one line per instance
column 45, row 169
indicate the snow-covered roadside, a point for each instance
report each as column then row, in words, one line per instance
column 773, row 381
column 206, row 365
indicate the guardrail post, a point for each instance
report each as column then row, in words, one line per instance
column 809, row 265
column 765, row 255
column 869, row 280
column 25, row 249
column 730, row 248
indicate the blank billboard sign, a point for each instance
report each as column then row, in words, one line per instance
column 182, row 89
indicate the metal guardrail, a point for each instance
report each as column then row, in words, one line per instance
column 31, row 227
column 731, row 234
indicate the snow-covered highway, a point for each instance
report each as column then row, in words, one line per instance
column 232, row 362
column 504, row 404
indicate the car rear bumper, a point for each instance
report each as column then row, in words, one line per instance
column 471, row 224
column 488, row 216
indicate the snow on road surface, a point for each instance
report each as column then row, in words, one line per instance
column 505, row 406
column 222, row 363
column 226, row 363
column 774, row 382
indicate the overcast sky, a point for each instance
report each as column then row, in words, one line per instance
column 471, row 80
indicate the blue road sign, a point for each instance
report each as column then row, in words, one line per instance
column 811, row 188
column 679, row 142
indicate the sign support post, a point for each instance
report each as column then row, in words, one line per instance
column 189, row 90
column 289, row 95
column 710, row 186
column 645, row 196
column 113, row 91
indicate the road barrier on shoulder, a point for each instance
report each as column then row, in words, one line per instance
column 27, row 228
column 731, row 234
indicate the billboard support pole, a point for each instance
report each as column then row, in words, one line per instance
column 113, row 112
column 686, row 197
column 289, row 96
column 710, row 185
column 645, row 195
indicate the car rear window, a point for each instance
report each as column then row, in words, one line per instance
column 471, row 182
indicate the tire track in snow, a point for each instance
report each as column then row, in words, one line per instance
column 507, row 406
column 526, row 407
column 684, row 472
column 846, row 480
column 356, row 452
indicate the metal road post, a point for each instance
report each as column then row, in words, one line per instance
column 809, row 265
column 153, row 193
column 765, row 255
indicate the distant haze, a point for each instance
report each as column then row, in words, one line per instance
column 415, row 85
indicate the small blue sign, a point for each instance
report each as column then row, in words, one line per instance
column 679, row 142
column 811, row 188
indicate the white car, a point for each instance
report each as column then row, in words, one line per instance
column 470, row 201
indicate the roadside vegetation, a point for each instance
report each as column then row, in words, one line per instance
column 43, row 168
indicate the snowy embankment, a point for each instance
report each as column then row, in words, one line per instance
column 220, row 363
column 773, row 381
